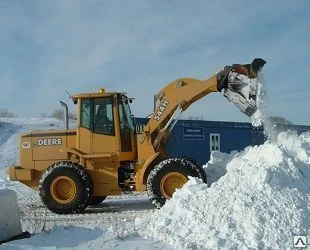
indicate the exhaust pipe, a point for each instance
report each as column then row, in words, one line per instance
column 240, row 84
column 65, row 106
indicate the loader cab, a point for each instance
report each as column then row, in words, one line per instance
column 105, row 125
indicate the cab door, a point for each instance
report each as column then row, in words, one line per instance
column 126, row 130
column 114, row 134
column 84, row 134
column 95, row 135
column 104, row 135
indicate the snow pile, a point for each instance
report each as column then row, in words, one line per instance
column 261, row 202
column 216, row 167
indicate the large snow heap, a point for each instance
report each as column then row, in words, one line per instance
column 261, row 200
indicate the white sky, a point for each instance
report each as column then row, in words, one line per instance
column 138, row 46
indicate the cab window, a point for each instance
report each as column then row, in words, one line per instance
column 85, row 113
column 97, row 115
column 103, row 116
column 126, row 125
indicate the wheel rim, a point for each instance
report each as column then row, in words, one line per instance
column 63, row 189
column 170, row 182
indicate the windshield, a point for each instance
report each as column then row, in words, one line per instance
column 126, row 118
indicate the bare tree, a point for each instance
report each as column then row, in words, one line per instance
column 195, row 117
column 59, row 114
column 279, row 120
column 6, row 113
column 72, row 115
column 44, row 115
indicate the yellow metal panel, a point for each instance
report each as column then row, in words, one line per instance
column 25, row 152
column 104, row 143
column 71, row 139
column 84, row 140
column 34, row 182
column 105, row 178
column 48, row 144
column 146, row 154
column 145, row 148
column 23, row 174
column 11, row 172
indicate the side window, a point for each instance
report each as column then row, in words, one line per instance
column 215, row 142
column 122, row 116
column 125, row 127
column 103, row 116
column 85, row 113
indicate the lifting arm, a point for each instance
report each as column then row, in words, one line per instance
column 239, row 85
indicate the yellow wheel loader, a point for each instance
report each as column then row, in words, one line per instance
column 104, row 156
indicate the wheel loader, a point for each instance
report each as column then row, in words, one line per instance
column 104, row 156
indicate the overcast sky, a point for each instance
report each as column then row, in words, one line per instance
column 138, row 46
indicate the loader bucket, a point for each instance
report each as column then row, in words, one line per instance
column 240, row 85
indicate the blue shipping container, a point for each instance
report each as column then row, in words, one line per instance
column 196, row 138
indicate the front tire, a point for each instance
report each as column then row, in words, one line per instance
column 66, row 188
column 169, row 175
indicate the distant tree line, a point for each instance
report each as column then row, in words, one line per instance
column 195, row 117
column 279, row 120
column 59, row 114
column 6, row 114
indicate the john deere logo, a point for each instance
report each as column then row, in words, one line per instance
column 25, row 145
column 49, row 142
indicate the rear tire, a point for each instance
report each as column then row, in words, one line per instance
column 65, row 188
column 170, row 175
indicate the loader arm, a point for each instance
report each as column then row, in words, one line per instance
column 238, row 82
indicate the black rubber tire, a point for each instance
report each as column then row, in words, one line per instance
column 77, row 176
column 96, row 200
column 202, row 173
column 182, row 166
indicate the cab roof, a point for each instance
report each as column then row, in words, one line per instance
column 100, row 93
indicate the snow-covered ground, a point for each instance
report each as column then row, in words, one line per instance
column 258, row 198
